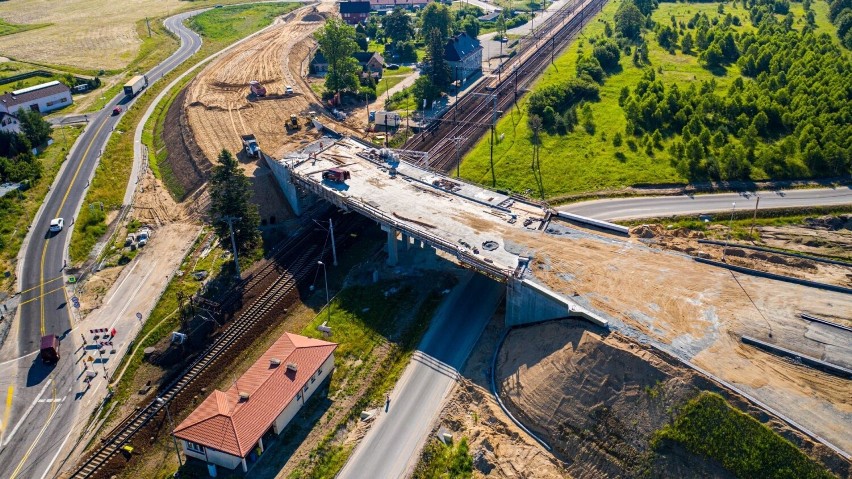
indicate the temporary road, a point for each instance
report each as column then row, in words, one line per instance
column 661, row 206
column 41, row 401
column 390, row 448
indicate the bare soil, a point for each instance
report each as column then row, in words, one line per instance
column 184, row 155
column 597, row 397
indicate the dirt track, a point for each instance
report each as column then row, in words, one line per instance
column 218, row 104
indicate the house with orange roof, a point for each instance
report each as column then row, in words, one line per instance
column 228, row 427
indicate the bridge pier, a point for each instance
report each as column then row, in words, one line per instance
column 393, row 248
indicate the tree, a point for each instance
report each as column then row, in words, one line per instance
column 686, row 43
column 589, row 66
column 337, row 43
column 361, row 40
column 230, row 196
column 34, row 128
column 629, row 20
column 435, row 66
column 424, row 89
column 608, row 54
column 397, row 26
column 645, row 6
column 435, row 15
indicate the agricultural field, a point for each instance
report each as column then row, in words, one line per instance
column 88, row 35
column 597, row 153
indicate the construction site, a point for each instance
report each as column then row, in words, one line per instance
column 649, row 309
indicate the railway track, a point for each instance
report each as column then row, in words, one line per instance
column 296, row 258
column 458, row 129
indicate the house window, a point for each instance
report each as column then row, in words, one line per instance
column 319, row 371
column 299, row 396
column 313, row 378
column 195, row 447
column 305, row 388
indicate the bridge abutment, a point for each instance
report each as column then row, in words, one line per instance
column 527, row 302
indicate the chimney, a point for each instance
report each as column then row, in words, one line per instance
column 244, row 396
column 292, row 366
column 274, row 362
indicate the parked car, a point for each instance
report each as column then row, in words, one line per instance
column 142, row 237
column 116, row 111
column 288, row 90
column 56, row 225
column 393, row 66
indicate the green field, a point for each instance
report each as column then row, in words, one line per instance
column 219, row 28
column 7, row 28
column 580, row 161
column 709, row 426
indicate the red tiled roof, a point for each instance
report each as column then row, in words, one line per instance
column 225, row 423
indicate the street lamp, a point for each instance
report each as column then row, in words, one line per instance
column 162, row 402
column 327, row 302
column 728, row 238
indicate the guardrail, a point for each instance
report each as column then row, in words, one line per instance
column 604, row 225
column 778, row 277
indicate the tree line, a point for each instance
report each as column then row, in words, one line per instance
column 17, row 162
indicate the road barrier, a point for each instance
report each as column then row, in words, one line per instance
column 778, row 277
column 774, row 251
column 604, row 225
column 799, row 357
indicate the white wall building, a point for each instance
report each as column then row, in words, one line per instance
column 227, row 428
column 42, row 98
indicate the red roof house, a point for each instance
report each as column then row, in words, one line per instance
column 227, row 428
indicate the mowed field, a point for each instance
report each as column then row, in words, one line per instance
column 83, row 34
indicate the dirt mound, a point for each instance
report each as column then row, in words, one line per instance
column 189, row 167
column 655, row 230
column 598, row 398
column 313, row 17
column 830, row 222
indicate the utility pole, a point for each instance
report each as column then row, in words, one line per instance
column 230, row 220
column 148, row 24
column 457, row 140
column 165, row 405
column 730, row 225
column 754, row 218
column 552, row 49
column 333, row 247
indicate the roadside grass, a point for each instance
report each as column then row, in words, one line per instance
column 113, row 171
column 442, row 460
column 7, row 28
column 359, row 331
column 390, row 79
column 18, row 208
column 579, row 161
column 709, row 426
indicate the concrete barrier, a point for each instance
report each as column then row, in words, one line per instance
column 777, row 277
column 807, row 360
column 770, row 250
column 604, row 225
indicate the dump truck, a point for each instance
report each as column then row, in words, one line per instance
column 135, row 85
column 390, row 119
column 49, row 349
column 250, row 144
column 293, row 124
column 256, row 88
column 336, row 175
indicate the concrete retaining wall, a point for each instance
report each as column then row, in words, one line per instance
column 604, row 225
column 778, row 277
column 528, row 302
column 282, row 176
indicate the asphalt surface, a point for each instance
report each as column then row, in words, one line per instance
column 43, row 400
column 660, row 206
column 391, row 446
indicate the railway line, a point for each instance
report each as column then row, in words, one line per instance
column 474, row 114
column 292, row 261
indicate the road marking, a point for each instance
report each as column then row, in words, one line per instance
column 135, row 264
column 41, row 282
column 27, row 413
column 45, row 282
column 53, row 410
column 19, row 358
column 39, row 297
column 50, row 464
column 62, row 399
column 9, row 394
column 135, row 292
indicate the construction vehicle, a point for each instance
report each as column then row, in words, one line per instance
column 336, row 175
column 135, row 85
column 250, row 144
column 257, row 89
column 143, row 237
column 293, row 124
column 49, row 349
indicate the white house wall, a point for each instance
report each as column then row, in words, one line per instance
column 295, row 405
column 46, row 104
column 214, row 457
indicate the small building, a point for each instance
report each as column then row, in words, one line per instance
column 227, row 428
column 390, row 5
column 42, row 98
column 9, row 123
column 354, row 13
column 319, row 64
column 463, row 54
column 372, row 64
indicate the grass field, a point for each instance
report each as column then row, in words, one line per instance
column 709, row 426
column 7, row 28
column 18, row 209
column 579, row 161
column 390, row 79
column 115, row 165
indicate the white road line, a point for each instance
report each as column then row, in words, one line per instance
column 29, row 410
column 50, row 464
column 38, row 438
column 121, row 283
column 62, row 399
column 18, row 359
column 135, row 292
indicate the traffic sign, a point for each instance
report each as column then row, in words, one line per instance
column 72, row 279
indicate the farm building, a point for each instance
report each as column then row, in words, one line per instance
column 42, row 98
column 9, row 123
column 354, row 13
column 227, row 428
column 464, row 56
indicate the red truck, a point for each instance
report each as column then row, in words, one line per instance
column 50, row 349
column 256, row 88
column 337, row 175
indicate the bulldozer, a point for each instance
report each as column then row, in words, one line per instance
column 293, row 124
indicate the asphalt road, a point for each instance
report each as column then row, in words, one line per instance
column 391, row 447
column 41, row 401
column 660, row 206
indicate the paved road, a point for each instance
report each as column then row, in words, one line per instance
column 658, row 206
column 392, row 446
column 41, row 402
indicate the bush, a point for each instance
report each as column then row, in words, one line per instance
column 608, row 55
